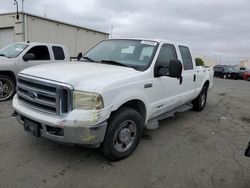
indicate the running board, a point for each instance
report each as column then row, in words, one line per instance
column 154, row 123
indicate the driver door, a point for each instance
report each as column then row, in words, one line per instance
column 42, row 56
column 166, row 92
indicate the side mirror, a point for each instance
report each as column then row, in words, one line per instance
column 79, row 56
column 175, row 69
column 29, row 57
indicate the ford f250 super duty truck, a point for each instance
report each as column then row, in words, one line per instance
column 106, row 99
column 18, row 56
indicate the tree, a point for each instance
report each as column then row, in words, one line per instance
column 199, row 61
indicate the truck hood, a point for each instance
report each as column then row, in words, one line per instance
column 84, row 76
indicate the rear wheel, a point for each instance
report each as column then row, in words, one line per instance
column 7, row 88
column 200, row 102
column 123, row 134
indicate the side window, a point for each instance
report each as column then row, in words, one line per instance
column 58, row 53
column 167, row 53
column 40, row 52
column 186, row 58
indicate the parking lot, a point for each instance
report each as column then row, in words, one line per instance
column 193, row 149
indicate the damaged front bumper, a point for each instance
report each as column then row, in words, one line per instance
column 78, row 127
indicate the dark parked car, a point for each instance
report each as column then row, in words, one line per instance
column 225, row 71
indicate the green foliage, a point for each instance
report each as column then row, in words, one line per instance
column 199, row 61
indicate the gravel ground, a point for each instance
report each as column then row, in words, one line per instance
column 194, row 149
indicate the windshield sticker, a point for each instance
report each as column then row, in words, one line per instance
column 19, row 49
column 151, row 43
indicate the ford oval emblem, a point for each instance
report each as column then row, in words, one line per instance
column 32, row 94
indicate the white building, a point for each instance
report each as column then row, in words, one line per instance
column 245, row 63
column 41, row 29
column 208, row 61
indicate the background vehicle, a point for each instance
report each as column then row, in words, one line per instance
column 226, row 72
column 18, row 56
column 246, row 75
column 242, row 71
column 120, row 87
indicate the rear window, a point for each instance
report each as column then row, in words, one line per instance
column 58, row 53
column 186, row 58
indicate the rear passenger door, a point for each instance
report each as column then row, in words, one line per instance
column 188, row 75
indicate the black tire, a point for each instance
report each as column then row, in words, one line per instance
column 7, row 88
column 200, row 102
column 112, row 141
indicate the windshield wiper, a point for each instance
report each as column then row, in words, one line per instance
column 89, row 59
column 114, row 63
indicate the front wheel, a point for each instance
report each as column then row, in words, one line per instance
column 123, row 134
column 7, row 88
column 200, row 102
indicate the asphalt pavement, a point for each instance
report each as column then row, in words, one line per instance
column 193, row 149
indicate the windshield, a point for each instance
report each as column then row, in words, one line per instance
column 137, row 54
column 229, row 69
column 12, row 50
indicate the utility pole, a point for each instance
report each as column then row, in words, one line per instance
column 23, row 16
column 17, row 14
column 111, row 33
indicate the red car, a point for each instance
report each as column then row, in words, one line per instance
column 247, row 75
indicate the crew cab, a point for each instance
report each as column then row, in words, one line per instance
column 117, row 89
column 18, row 56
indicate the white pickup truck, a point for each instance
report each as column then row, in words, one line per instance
column 106, row 99
column 18, row 56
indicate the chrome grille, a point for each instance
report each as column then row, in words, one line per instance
column 44, row 95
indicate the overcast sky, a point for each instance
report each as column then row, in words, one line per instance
column 215, row 28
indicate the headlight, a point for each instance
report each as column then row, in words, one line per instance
column 87, row 101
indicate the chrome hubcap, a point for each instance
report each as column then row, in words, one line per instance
column 203, row 99
column 124, row 136
column 5, row 89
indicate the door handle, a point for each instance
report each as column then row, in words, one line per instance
column 194, row 77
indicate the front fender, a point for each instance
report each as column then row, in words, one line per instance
column 123, row 97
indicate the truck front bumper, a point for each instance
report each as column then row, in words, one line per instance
column 62, row 129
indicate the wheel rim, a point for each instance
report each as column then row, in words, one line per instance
column 6, row 89
column 124, row 136
column 203, row 98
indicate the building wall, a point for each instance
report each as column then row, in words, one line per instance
column 208, row 61
column 8, row 21
column 75, row 38
column 39, row 29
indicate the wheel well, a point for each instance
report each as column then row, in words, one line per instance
column 207, row 84
column 137, row 105
column 10, row 74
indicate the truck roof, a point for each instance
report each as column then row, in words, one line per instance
column 151, row 39
column 39, row 43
